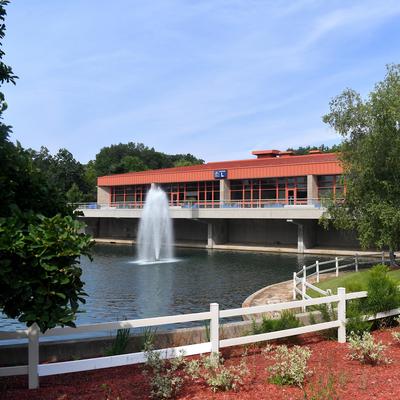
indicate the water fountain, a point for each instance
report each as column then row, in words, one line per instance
column 155, row 236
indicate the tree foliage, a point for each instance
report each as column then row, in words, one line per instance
column 130, row 157
column 370, row 157
column 40, row 243
column 323, row 149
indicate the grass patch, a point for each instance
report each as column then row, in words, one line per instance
column 352, row 281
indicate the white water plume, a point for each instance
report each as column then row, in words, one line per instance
column 155, row 236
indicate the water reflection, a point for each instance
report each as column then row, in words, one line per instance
column 119, row 289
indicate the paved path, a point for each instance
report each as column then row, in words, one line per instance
column 279, row 292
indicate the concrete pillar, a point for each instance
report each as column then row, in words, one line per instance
column 312, row 188
column 103, row 194
column 306, row 234
column 224, row 190
column 217, row 233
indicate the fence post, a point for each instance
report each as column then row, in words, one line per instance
column 342, row 315
column 356, row 262
column 214, row 327
column 383, row 257
column 317, row 269
column 337, row 266
column 294, row 285
column 33, row 356
column 304, row 272
column 303, row 292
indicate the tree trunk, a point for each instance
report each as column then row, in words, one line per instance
column 392, row 258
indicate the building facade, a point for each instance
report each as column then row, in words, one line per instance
column 275, row 178
column 273, row 200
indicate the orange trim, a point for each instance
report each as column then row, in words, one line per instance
column 314, row 164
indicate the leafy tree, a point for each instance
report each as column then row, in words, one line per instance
column 371, row 162
column 132, row 164
column 40, row 243
column 121, row 158
column 74, row 195
column 323, row 149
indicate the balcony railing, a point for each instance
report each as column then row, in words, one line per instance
column 230, row 204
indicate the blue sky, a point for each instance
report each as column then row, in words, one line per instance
column 213, row 78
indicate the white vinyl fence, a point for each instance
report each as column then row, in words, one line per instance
column 34, row 369
column 300, row 284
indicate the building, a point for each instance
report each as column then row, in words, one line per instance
column 272, row 200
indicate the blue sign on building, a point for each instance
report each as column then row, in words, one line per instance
column 220, row 174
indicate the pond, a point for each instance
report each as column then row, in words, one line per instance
column 120, row 289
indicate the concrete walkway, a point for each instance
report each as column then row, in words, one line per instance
column 278, row 293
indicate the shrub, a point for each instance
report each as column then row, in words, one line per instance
column 383, row 293
column 356, row 322
column 290, row 366
column 120, row 342
column 215, row 374
column 221, row 378
column 164, row 382
column 328, row 314
column 287, row 320
column 323, row 389
column 165, row 386
column 366, row 350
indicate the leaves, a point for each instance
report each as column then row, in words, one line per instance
column 371, row 162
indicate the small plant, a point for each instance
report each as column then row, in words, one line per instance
column 221, row 378
column 366, row 350
column 356, row 323
column 165, row 383
column 192, row 369
column 207, row 330
column 287, row 320
column 323, row 389
column 290, row 366
column 396, row 336
column 120, row 343
column 147, row 339
column 328, row 314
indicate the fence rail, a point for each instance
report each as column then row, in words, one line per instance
column 300, row 283
column 34, row 369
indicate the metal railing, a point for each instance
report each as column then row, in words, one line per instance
column 35, row 369
column 226, row 204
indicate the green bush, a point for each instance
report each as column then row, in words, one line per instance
column 364, row 349
column 165, row 383
column 40, row 276
column 287, row 320
column 290, row 367
column 383, row 292
column 120, row 342
column 219, row 377
column 356, row 322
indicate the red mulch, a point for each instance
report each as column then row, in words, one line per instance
column 329, row 360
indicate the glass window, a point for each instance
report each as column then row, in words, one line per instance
column 281, row 182
column 237, row 195
column 301, row 194
column 268, row 194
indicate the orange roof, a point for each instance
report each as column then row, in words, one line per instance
column 309, row 164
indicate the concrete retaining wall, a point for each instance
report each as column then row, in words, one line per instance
column 261, row 232
column 267, row 232
column 96, row 347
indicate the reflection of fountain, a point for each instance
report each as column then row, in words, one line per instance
column 155, row 235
